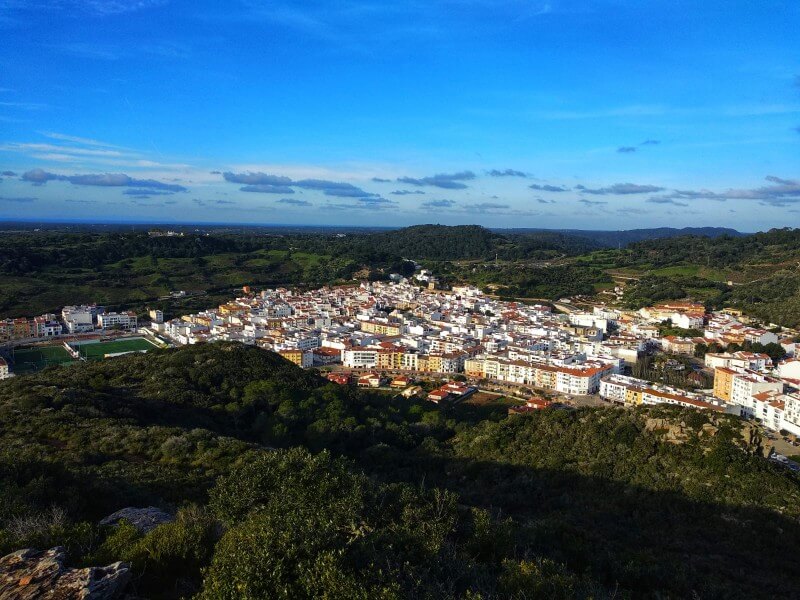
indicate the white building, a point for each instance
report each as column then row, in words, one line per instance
column 747, row 385
column 47, row 326
column 360, row 358
column 4, row 372
column 760, row 336
column 778, row 411
column 614, row 387
column 791, row 414
column 738, row 360
column 687, row 320
column 789, row 369
column 79, row 319
column 126, row 320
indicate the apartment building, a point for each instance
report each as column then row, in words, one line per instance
column 124, row 320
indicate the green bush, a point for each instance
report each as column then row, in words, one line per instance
column 171, row 556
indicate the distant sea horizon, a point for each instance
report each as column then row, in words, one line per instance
column 116, row 223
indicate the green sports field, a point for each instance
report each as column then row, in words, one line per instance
column 28, row 360
column 98, row 350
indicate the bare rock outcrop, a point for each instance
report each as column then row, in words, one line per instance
column 31, row 574
column 751, row 439
column 144, row 519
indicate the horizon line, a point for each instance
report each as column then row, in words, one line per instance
column 6, row 221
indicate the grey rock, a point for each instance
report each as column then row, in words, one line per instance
column 144, row 519
column 31, row 574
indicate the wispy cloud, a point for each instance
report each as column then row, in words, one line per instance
column 664, row 200
column 506, row 173
column 97, row 8
column 372, row 204
column 486, row 206
column 547, row 188
column 265, row 188
column 67, row 150
column 41, row 177
column 18, row 199
column 334, row 188
column 660, row 110
column 146, row 193
column 24, row 105
column 87, row 154
column 294, row 202
column 256, row 178
column 632, row 149
column 622, row 189
column 407, row 192
column 278, row 184
column 432, row 204
column 449, row 181
column 782, row 192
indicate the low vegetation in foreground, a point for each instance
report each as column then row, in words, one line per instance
column 287, row 486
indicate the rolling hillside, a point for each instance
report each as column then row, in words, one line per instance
column 370, row 496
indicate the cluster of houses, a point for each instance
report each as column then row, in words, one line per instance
column 398, row 327
column 401, row 327
column 723, row 328
column 73, row 320
column 745, row 384
column 749, row 382
column 387, row 333
column 449, row 391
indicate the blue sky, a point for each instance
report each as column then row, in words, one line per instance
column 599, row 114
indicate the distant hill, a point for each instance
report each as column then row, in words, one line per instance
column 765, row 268
column 470, row 242
column 613, row 239
column 439, row 242
column 467, row 242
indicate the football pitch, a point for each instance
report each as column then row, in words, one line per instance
column 97, row 350
column 28, row 360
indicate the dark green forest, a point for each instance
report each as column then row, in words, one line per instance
column 42, row 271
column 287, row 486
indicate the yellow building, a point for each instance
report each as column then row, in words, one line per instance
column 380, row 328
column 434, row 363
column 231, row 309
column 723, row 383
column 22, row 328
column 390, row 359
column 546, row 377
column 295, row 356
column 633, row 395
column 473, row 367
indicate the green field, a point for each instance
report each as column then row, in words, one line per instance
column 138, row 282
column 28, row 360
column 97, row 350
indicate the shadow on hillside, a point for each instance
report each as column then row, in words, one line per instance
column 637, row 538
